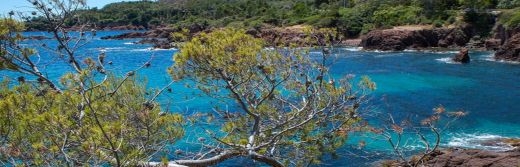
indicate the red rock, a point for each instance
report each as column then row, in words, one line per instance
column 510, row 50
column 462, row 56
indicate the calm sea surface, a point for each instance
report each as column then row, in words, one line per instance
column 409, row 85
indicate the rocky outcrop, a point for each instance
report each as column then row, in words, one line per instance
column 294, row 35
column 159, row 37
column 280, row 36
column 506, row 43
column 499, row 36
column 466, row 158
column 462, row 56
column 510, row 50
column 387, row 40
column 473, row 157
column 470, row 157
column 400, row 39
column 502, row 34
column 155, row 33
column 159, row 43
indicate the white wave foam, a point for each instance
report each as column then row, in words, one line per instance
column 411, row 50
column 112, row 48
column 480, row 141
column 269, row 48
column 156, row 49
column 380, row 51
column 129, row 43
column 491, row 57
column 447, row 60
column 142, row 50
column 353, row 49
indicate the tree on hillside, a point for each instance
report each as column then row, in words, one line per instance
column 290, row 110
column 89, row 117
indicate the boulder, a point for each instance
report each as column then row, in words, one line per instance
column 510, row 51
column 462, row 56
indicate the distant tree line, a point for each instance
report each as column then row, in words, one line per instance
column 350, row 17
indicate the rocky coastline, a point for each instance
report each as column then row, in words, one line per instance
column 159, row 37
column 275, row 36
column 398, row 39
column 505, row 42
column 466, row 158
column 470, row 157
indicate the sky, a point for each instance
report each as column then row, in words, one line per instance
column 23, row 5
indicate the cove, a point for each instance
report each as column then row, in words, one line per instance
column 408, row 82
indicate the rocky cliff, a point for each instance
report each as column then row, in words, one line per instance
column 400, row 39
column 510, row 50
column 506, row 42
column 472, row 157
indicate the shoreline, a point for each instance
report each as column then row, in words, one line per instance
column 409, row 38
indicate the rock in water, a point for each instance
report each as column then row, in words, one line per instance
column 510, row 50
column 462, row 56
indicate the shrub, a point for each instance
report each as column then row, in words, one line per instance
column 514, row 21
column 437, row 23
column 367, row 28
column 398, row 15
column 511, row 18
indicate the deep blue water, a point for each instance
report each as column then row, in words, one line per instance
column 409, row 83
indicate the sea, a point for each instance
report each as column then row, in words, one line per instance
column 409, row 83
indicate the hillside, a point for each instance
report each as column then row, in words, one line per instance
column 350, row 17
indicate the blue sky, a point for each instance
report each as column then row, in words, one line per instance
column 23, row 5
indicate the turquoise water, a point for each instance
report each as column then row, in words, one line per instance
column 409, row 83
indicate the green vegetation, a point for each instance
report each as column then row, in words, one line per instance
column 387, row 16
column 510, row 18
column 350, row 17
column 88, row 117
column 46, row 128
